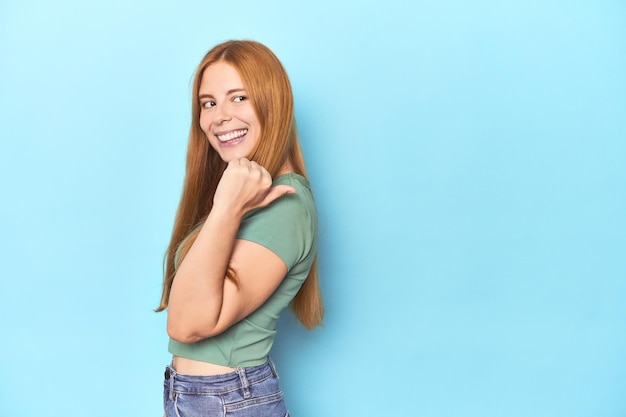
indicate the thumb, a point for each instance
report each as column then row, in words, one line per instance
column 276, row 192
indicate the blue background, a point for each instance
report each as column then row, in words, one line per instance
column 469, row 163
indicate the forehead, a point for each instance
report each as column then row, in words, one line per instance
column 220, row 77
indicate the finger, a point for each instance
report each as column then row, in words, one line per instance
column 261, row 173
column 277, row 192
column 244, row 163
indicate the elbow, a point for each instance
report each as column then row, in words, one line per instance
column 187, row 334
column 182, row 334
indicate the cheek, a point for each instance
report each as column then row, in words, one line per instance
column 252, row 119
column 204, row 123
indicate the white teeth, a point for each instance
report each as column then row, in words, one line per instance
column 232, row 135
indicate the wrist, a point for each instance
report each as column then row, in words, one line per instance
column 226, row 213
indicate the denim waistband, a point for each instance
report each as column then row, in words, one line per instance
column 240, row 378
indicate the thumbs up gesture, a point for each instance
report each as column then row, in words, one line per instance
column 246, row 185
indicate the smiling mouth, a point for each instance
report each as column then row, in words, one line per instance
column 231, row 136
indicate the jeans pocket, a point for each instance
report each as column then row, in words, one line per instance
column 272, row 405
column 195, row 405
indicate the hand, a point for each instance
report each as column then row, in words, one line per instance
column 246, row 185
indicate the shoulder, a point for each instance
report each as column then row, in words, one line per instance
column 295, row 207
column 300, row 183
column 288, row 226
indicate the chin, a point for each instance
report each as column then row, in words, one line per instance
column 232, row 157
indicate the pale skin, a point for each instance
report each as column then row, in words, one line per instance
column 203, row 303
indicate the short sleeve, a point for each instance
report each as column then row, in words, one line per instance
column 285, row 227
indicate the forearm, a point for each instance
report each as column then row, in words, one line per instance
column 196, row 300
column 197, row 291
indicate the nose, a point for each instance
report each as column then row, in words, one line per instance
column 221, row 115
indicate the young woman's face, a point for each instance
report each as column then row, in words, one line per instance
column 227, row 117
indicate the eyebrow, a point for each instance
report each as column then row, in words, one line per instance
column 229, row 92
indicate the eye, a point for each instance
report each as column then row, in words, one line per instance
column 239, row 99
column 207, row 104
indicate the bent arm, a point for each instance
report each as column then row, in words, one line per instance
column 202, row 302
column 196, row 296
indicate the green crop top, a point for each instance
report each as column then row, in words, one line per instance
column 288, row 227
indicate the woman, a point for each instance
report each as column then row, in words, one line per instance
column 244, row 241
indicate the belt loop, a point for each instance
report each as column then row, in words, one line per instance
column 171, row 381
column 244, row 382
column 272, row 367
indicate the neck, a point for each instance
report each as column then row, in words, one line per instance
column 286, row 168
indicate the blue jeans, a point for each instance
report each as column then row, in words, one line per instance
column 245, row 392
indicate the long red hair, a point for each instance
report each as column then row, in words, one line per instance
column 270, row 93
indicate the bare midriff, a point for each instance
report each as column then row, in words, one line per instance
column 192, row 367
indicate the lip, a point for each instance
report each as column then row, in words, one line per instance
column 231, row 137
